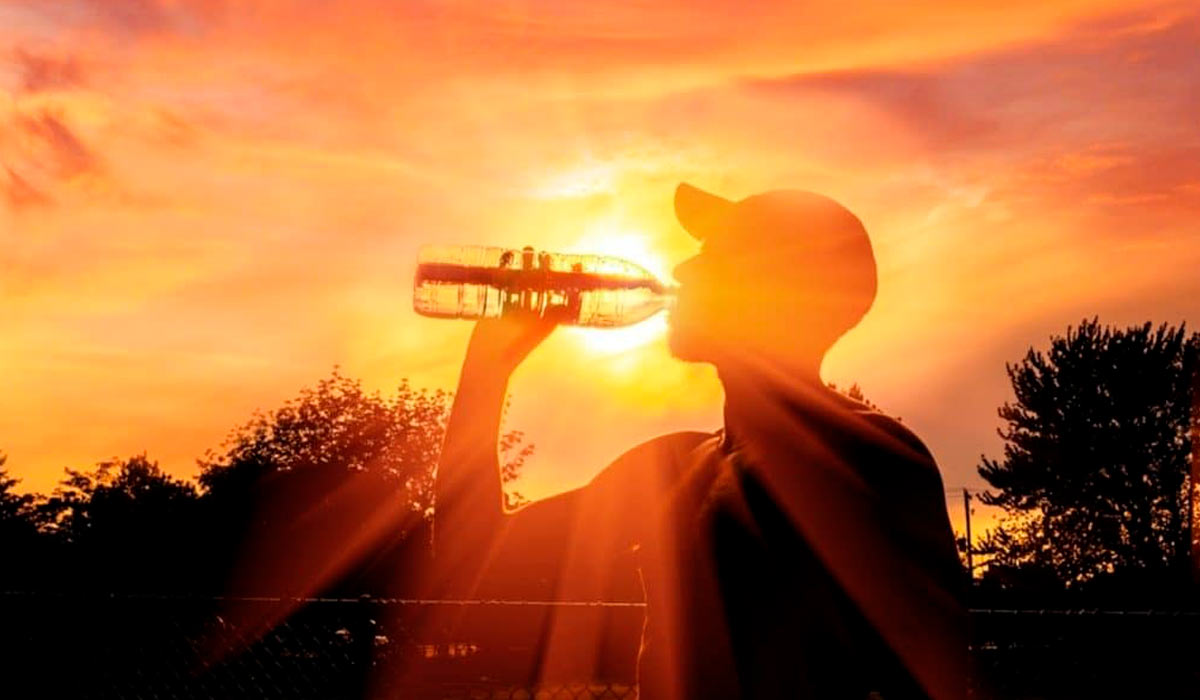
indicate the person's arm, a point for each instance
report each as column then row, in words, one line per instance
column 566, row 546
column 468, row 495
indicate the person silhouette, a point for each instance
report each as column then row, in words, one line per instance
column 802, row 551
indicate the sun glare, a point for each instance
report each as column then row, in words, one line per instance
column 605, row 239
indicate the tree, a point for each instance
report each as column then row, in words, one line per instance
column 117, row 499
column 1094, row 477
column 19, row 537
column 126, row 524
column 16, row 509
column 334, row 490
column 337, row 427
column 855, row 392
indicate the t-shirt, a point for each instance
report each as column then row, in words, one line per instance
column 809, row 555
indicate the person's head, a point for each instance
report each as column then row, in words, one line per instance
column 781, row 275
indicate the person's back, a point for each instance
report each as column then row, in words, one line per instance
column 748, row 603
column 804, row 551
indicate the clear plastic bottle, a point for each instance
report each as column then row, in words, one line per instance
column 578, row 290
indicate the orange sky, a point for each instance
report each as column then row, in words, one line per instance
column 205, row 205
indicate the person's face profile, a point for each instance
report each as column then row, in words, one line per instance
column 719, row 301
column 779, row 300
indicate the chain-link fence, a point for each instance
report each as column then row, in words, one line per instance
column 180, row 647
column 247, row 647
column 1086, row 653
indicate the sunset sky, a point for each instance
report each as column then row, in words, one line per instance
column 206, row 205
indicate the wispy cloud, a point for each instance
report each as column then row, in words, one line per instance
column 238, row 189
column 57, row 145
column 37, row 72
column 20, row 194
column 126, row 18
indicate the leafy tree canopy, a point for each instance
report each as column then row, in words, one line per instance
column 17, row 513
column 332, row 484
column 118, row 499
column 1094, row 474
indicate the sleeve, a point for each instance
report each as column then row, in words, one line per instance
column 578, row 545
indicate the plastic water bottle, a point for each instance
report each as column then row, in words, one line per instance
column 578, row 290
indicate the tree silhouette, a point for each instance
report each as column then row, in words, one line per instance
column 855, row 392
column 16, row 509
column 125, row 525
column 331, row 491
column 117, row 499
column 19, row 536
column 1095, row 468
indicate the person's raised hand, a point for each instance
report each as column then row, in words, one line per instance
column 502, row 344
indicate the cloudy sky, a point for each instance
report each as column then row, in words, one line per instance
column 206, row 205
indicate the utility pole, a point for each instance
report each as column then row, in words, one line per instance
column 967, row 512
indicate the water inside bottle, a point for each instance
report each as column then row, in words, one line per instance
column 488, row 282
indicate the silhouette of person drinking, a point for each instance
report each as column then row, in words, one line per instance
column 802, row 551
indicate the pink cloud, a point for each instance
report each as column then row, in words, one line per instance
column 126, row 18
column 66, row 154
column 1105, row 114
column 38, row 72
column 20, row 194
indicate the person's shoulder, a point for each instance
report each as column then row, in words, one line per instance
column 685, row 440
column 668, row 447
column 893, row 436
column 659, row 455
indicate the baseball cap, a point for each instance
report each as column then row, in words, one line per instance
column 791, row 226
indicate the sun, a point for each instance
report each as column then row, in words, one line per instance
column 602, row 239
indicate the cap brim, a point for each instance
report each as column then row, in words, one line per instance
column 701, row 213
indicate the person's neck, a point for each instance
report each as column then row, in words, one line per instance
column 754, row 385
